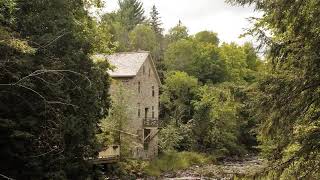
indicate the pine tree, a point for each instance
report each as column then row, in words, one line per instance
column 155, row 21
column 288, row 102
column 131, row 13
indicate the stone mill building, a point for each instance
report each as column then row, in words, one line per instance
column 137, row 74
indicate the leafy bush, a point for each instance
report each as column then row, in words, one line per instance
column 128, row 169
column 173, row 161
column 173, row 137
column 216, row 124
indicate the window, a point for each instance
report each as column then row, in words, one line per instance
column 139, row 110
column 143, row 70
column 139, row 88
column 152, row 91
column 146, row 110
column 152, row 111
column 149, row 72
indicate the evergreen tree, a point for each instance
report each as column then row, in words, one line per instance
column 52, row 95
column 155, row 21
column 288, row 104
column 131, row 13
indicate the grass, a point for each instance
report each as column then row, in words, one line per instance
column 174, row 161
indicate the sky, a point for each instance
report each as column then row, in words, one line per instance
column 198, row 15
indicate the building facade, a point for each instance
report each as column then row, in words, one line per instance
column 137, row 74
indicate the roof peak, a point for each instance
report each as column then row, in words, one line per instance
column 132, row 52
column 126, row 63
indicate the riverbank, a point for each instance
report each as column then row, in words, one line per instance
column 225, row 170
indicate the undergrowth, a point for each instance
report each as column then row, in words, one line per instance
column 174, row 161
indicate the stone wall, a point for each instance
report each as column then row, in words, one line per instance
column 142, row 98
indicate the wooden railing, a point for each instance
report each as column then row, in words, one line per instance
column 150, row 122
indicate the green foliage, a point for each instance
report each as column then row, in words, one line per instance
column 176, row 137
column 197, row 59
column 120, row 23
column 207, row 37
column 52, row 94
column 216, row 128
column 177, row 33
column 178, row 91
column 173, row 161
column 252, row 58
column 132, row 169
column 178, row 55
column 169, row 137
column 155, row 21
column 131, row 13
column 114, row 124
column 120, row 35
column 208, row 67
column 288, row 98
column 7, row 9
column 125, row 169
column 235, row 59
column 142, row 37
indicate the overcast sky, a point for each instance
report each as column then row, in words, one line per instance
column 213, row 15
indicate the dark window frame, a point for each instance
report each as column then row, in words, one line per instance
column 139, row 87
column 152, row 115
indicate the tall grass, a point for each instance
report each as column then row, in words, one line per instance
column 173, row 161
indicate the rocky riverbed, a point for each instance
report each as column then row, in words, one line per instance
column 225, row 170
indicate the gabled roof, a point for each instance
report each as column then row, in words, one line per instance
column 128, row 64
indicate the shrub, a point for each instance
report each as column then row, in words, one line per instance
column 173, row 161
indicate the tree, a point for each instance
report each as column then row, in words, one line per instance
column 155, row 21
column 207, row 37
column 242, row 62
column 123, row 21
column 235, row 59
column 52, row 94
column 216, row 127
column 207, row 64
column 114, row 125
column 131, row 13
column 252, row 60
column 288, row 98
column 179, row 55
column 120, row 34
column 142, row 37
column 198, row 59
column 176, row 33
column 178, row 92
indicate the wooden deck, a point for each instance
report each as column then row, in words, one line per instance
column 108, row 155
column 106, row 160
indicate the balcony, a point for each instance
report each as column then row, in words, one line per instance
column 150, row 122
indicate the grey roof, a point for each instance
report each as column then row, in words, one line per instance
column 126, row 64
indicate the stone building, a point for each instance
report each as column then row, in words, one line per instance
column 137, row 73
